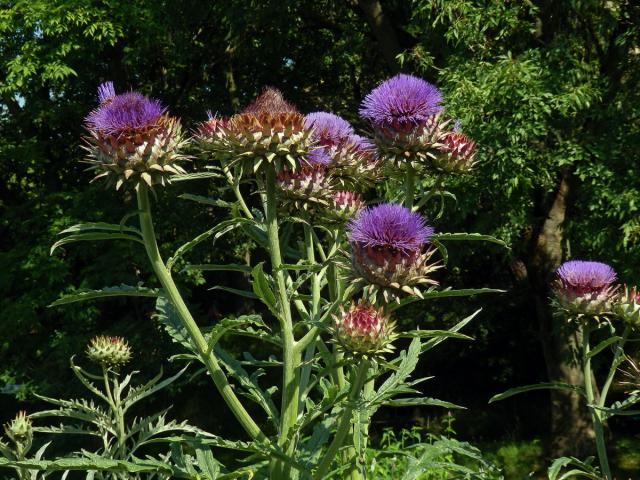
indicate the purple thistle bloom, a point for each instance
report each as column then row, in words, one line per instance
column 120, row 113
column 319, row 156
column 401, row 103
column 585, row 288
column 582, row 277
column 390, row 226
column 329, row 129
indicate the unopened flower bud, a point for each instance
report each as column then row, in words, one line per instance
column 456, row 153
column 627, row 306
column 109, row 352
column 364, row 329
column 268, row 131
column 584, row 287
column 20, row 429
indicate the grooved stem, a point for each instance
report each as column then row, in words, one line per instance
column 195, row 335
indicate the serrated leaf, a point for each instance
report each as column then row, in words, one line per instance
column 446, row 293
column 84, row 227
column 602, row 345
column 216, row 202
column 87, row 237
column 469, row 237
column 263, row 290
column 434, row 333
column 422, row 401
column 429, row 344
column 538, row 386
column 195, row 176
column 207, row 267
column 117, row 291
column 216, row 232
column 167, row 315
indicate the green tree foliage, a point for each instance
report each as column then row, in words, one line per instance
column 548, row 89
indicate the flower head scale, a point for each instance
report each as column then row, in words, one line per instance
column 584, row 287
column 363, row 330
column 391, row 226
column 456, row 153
column 109, row 352
column 401, row 103
column 269, row 131
column 305, row 187
column 344, row 206
column 328, row 128
column 20, row 431
column 132, row 139
column 270, row 101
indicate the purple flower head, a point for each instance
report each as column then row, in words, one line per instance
column 583, row 277
column 319, row 156
column 120, row 113
column 585, row 288
column 401, row 103
column 329, row 129
column 391, row 227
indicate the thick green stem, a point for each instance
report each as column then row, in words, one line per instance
column 409, row 186
column 344, row 422
column 197, row 339
column 291, row 357
column 310, row 349
column 619, row 351
column 595, row 414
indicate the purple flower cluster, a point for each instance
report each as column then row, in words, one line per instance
column 124, row 112
column 319, row 156
column 582, row 277
column 329, row 129
column 401, row 103
column 585, row 287
column 390, row 226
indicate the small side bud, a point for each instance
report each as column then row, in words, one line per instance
column 627, row 306
column 20, row 432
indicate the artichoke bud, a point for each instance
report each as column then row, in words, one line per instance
column 109, row 352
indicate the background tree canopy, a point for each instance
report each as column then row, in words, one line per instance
column 548, row 89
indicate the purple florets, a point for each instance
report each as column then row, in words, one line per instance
column 390, row 226
column 583, row 277
column 401, row 103
column 362, row 143
column 319, row 156
column 329, row 129
column 120, row 113
column 106, row 91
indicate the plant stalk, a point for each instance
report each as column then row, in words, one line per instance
column 344, row 422
column 195, row 335
column 595, row 414
column 291, row 357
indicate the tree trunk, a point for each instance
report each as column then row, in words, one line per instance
column 571, row 429
column 382, row 30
